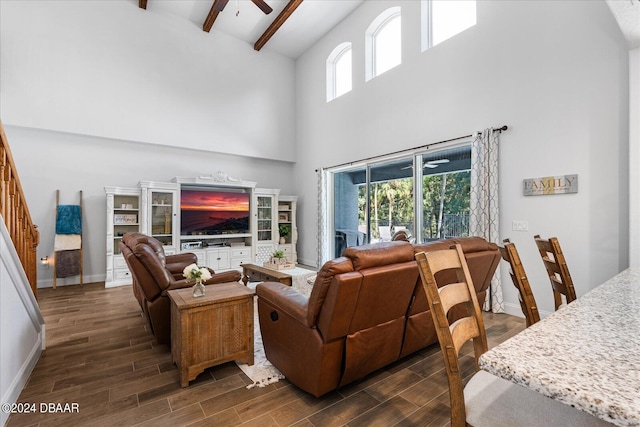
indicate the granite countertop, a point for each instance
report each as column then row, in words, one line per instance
column 586, row 354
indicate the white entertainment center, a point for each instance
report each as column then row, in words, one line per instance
column 155, row 208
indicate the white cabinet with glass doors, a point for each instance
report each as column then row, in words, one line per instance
column 265, row 223
column 159, row 216
column 123, row 216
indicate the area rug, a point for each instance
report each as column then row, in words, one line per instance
column 262, row 372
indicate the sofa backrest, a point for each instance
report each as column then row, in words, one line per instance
column 372, row 296
column 366, row 300
column 482, row 258
column 353, row 259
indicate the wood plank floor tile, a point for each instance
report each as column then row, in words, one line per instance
column 276, row 399
column 427, row 389
column 302, row 408
column 187, row 415
column 233, row 398
column 101, row 355
column 228, row 418
column 344, row 411
column 190, row 395
column 390, row 386
column 387, row 413
column 136, row 415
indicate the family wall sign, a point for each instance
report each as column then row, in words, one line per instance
column 564, row 184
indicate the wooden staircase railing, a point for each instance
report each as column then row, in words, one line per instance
column 15, row 213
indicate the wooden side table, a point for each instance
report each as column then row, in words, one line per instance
column 212, row 329
column 263, row 274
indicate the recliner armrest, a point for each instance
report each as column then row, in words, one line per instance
column 178, row 284
column 224, row 277
column 285, row 298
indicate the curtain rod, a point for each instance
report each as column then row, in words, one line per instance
column 500, row 129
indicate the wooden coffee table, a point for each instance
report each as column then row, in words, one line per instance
column 212, row 329
column 263, row 274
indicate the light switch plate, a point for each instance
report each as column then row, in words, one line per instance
column 520, row 225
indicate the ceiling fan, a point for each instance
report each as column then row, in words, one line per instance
column 431, row 164
column 220, row 4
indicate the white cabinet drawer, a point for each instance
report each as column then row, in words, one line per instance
column 237, row 262
column 287, row 249
column 122, row 274
column 241, row 252
column 119, row 262
column 202, row 256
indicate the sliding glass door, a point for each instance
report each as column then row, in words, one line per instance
column 390, row 198
column 350, row 219
column 373, row 200
column 446, row 184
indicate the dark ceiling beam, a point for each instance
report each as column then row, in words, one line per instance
column 142, row 4
column 277, row 23
column 216, row 8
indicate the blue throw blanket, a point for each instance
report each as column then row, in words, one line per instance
column 69, row 220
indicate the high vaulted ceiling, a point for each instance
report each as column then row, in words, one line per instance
column 627, row 13
column 308, row 23
column 312, row 19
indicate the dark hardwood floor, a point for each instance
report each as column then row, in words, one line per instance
column 101, row 355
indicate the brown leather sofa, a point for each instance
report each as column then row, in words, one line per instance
column 154, row 274
column 367, row 309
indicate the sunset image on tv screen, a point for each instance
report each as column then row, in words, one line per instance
column 213, row 212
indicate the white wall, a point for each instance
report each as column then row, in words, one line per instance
column 634, row 157
column 108, row 68
column 555, row 72
column 22, row 337
column 47, row 161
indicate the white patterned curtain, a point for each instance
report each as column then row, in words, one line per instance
column 484, row 212
column 323, row 226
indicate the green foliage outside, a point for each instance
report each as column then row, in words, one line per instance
column 391, row 204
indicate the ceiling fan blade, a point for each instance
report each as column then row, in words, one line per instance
column 437, row 162
column 218, row 5
column 263, row 6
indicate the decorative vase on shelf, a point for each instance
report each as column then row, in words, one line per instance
column 198, row 289
column 282, row 241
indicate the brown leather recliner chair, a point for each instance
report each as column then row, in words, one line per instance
column 367, row 309
column 154, row 274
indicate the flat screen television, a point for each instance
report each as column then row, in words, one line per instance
column 213, row 211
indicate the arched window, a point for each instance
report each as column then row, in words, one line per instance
column 383, row 43
column 339, row 71
column 443, row 19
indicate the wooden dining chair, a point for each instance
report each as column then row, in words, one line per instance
column 452, row 337
column 519, row 277
column 486, row 400
column 557, row 269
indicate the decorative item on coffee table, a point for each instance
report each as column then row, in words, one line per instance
column 199, row 274
column 278, row 261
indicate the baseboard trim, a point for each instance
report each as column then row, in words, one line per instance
column 309, row 262
column 22, row 376
column 75, row 280
column 516, row 310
